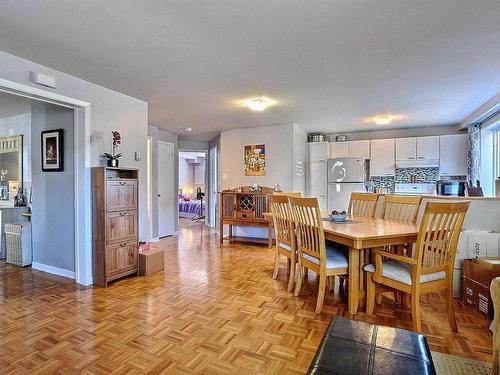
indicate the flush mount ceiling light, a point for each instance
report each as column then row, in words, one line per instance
column 383, row 119
column 258, row 104
column 188, row 129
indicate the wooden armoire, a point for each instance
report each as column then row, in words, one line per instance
column 115, row 222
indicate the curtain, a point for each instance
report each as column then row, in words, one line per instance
column 474, row 153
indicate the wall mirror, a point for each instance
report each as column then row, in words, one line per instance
column 11, row 166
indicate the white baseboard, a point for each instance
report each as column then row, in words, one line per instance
column 156, row 239
column 53, row 270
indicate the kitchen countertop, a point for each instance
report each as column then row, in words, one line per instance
column 449, row 197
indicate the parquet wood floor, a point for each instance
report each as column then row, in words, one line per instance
column 215, row 310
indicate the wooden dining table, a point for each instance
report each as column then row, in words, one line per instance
column 360, row 234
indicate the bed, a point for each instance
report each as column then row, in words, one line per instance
column 190, row 208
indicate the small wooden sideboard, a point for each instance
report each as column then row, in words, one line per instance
column 115, row 216
column 244, row 208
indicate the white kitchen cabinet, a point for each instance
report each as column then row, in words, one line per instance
column 406, row 148
column 339, row 149
column 428, row 148
column 382, row 160
column 453, row 155
column 318, row 152
column 317, row 180
column 359, row 149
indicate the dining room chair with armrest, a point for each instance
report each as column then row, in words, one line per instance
column 312, row 251
column 432, row 267
column 362, row 205
column 285, row 235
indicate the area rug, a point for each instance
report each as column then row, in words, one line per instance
column 447, row 364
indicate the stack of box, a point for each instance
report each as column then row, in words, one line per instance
column 473, row 244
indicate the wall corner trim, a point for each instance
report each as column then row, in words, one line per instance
column 53, row 270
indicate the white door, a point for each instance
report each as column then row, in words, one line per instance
column 382, row 161
column 406, row 148
column 317, row 180
column 166, row 189
column 428, row 148
column 213, row 187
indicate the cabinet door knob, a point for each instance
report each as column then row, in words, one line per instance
column 122, row 183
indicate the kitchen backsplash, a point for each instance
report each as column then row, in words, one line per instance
column 422, row 175
column 404, row 175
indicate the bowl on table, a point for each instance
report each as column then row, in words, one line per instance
column 338, row 216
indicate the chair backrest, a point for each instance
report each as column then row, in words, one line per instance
column 402, row 208
column 290, row 194
column 438, row 236
column 309, row 227
column 362, row 204
column 282, row 218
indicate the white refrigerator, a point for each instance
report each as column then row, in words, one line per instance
column 345, row 176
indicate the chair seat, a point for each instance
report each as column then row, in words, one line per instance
column 285, row 246
column 399, row 271
column 335, row 258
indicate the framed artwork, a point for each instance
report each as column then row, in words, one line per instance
column 255, row 160
column 52, row 150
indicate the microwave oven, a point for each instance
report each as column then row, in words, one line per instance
column 451, row 188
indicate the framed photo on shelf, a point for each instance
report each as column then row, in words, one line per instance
column 53, row 150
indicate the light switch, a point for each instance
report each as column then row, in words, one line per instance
column 138, row 156
column 224, row 176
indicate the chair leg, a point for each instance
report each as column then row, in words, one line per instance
column 321, row 293
column 415, row 311
column 449, row 308
column 276, row 263
column 331, row 283
column 370, row 294
column 291, row 277
column 298, row 285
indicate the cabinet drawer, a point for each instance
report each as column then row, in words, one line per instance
column 121, row 226
column 121, row 257
column 121, row 195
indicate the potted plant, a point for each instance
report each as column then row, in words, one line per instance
column 112, row 159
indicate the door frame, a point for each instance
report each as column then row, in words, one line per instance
column 175, row 212
column 213, row 182
column 207, row 186
column 82, row 176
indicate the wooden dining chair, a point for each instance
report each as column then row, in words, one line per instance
column 432, row 267
column 289, row 194
column 285, row 235
column 401, row 208
column 362, row 205
column 312, row 251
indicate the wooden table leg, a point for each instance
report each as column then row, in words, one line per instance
column 270, row 235
column 221, row 231
column 361, row 277
column 353, row 296
column 230, row 236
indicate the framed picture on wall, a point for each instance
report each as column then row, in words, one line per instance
column 53, row 150
column 255, row 160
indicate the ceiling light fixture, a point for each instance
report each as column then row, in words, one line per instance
column 383, row 119
column 188, row 129
column 257, row 104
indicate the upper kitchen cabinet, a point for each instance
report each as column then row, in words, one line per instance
column 428, row 148
column 406, row 148
column 453, row 152
column 359, row 149
column 339, row 149
column 382, row 160
column 318, row 152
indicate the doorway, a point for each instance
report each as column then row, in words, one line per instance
column 166, row 189
column 192, row 187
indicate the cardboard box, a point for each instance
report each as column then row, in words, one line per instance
column 477, row 277
column 151, row 261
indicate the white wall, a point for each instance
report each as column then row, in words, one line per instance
column 299, row 155
column 109, row 110
column 279, row 156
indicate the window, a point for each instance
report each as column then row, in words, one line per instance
column 496, row 153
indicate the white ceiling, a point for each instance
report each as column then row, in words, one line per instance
column 329, row 63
